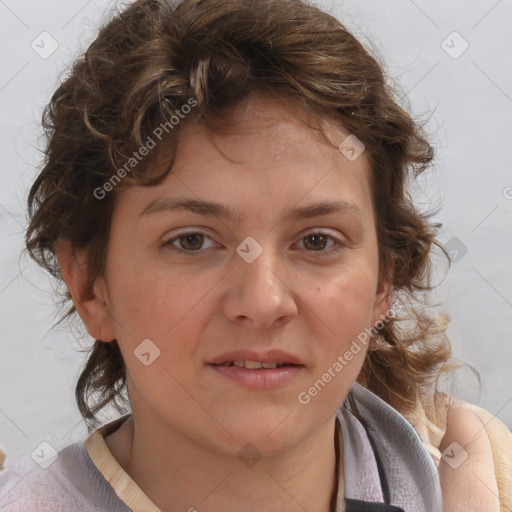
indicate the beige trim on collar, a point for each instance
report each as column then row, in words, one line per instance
column 127, row 490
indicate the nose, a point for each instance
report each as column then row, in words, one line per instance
column 258, row 294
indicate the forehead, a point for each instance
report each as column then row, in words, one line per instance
column 276, row 128
column 268, row 148
column 265, row 131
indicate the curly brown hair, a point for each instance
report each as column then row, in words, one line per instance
column 156, row 55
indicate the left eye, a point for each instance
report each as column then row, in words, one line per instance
column 317, row 242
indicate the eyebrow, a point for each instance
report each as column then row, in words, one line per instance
column 221, row 211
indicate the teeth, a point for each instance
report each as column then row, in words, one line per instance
column 254, row 365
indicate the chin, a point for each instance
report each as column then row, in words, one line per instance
column 270, row 434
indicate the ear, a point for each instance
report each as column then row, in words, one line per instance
column 383, row 296
column 91, row 304
column 383, row 300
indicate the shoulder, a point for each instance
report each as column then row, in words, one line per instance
column 69, row 483
column 405, row 468
column 467, row 469
column 26, row 486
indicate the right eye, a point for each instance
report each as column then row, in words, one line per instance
column 189, row 242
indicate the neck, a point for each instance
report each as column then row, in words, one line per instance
column 178, row 473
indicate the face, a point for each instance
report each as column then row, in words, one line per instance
column 259, row 247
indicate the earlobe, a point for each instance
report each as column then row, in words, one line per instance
column 91, row 302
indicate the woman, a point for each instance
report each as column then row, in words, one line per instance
column 224, row 198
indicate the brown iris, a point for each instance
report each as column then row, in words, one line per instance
column 192, row 241
column 318, row 241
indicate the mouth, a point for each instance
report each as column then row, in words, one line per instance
column 258, row 371
column 256, row 360
column 256, row 365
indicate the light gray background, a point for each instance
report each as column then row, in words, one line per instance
column 467, row 100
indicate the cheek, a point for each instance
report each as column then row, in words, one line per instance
column 345, row 303
column 135, row 287
column 160, row 304
column 341, row 317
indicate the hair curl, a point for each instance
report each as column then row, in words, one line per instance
column 148, row 61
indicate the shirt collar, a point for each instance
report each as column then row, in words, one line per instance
column 127, row 490
column 133, row 496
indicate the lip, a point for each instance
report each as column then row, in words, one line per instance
column 261, row 378
column 258, row 379
column 270, row 356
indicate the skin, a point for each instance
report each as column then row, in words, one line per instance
column 470, row 486
column 189, row 422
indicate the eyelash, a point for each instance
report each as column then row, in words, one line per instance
column 338, row 244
